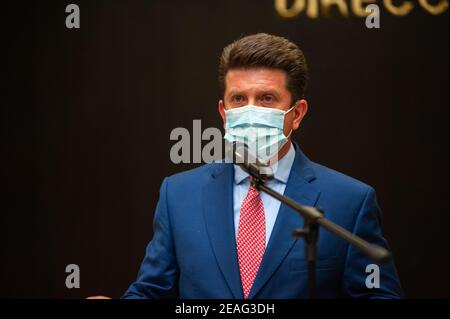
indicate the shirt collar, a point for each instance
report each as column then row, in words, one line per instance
column 281, row 169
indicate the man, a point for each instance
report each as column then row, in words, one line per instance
column 215, row 236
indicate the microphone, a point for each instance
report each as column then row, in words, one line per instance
column 240, row 154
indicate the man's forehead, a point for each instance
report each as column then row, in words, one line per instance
column 255, row 79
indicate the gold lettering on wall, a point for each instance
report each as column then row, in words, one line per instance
column 341, row 5
column 439, row 8
column 400, row 10
column 359, row 7
column 294, row 10
column 314, row 8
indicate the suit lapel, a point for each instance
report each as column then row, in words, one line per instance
column 218, row 214
column 281, row 240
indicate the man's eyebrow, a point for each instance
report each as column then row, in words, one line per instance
column 259, row 92
column 233, row 92
column 273, row 92
column 269, row 91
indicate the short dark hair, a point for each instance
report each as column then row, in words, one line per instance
column 267, row 51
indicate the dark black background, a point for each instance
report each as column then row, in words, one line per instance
column 87, row 115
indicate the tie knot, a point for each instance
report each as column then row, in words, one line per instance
column 252, row 186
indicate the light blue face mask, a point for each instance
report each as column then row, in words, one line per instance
column 261, row 128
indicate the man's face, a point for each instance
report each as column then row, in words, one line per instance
column 262, row 87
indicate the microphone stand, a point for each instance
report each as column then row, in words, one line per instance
column 313, row 218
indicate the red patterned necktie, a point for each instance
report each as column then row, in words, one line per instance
column 251, row 238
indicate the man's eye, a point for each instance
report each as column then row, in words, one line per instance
column 238, row 98
column 267, row 98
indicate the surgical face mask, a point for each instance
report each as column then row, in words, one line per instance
column 261, row 128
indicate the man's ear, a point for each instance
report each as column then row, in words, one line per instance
column 299, row 113
column 222, row 112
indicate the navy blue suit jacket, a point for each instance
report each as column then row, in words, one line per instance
column 193, row 250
